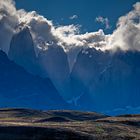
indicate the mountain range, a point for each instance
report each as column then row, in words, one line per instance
column 103, row 81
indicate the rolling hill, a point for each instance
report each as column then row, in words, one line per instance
column 27, row 124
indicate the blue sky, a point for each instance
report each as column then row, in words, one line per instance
column 87, row 10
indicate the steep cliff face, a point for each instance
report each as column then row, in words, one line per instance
column 22, row 50
column 51, row 63
column 55, row 63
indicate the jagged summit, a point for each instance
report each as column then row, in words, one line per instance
column 22, row 50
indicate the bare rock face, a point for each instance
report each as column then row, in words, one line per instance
column 22, row 50
column 54, row 61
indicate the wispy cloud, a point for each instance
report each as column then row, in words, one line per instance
column 104, row 21
column 73, row 17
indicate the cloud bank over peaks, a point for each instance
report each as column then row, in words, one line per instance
column 56, row 48
column 40, row 28
column 44, row 33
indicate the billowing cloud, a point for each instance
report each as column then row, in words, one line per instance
column 40, row 28
column 8, row 22
column 44, row 33
column 104, row 21
column 127, row 34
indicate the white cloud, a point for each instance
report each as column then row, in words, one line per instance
column 104, row 21
column 127, row 34
column 73, row 17
column 8, row 22
column 41, row 28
